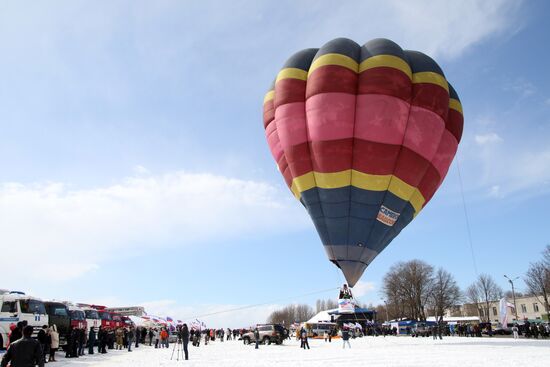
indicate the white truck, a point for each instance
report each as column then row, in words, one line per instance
column 16, row 307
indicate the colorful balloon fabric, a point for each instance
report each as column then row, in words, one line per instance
column 363, row 136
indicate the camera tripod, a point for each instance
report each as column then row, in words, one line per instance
column 178, row 350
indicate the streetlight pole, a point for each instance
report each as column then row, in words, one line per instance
column 513, row 294
column 387, row 318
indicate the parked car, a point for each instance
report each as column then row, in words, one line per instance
column 422, row 329
column 269, row 333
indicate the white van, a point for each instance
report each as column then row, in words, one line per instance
column 15, row 307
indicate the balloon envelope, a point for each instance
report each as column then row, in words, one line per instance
column 363, row 136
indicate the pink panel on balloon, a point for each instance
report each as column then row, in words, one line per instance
column 273, row 141
column 424, row 131
column 291, row 124
column 330, row 116
column 381, row 118
column 445, row 153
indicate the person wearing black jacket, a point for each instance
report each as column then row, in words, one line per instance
column 70, row 343
column 17, row 333
column 25, row 352
column 43, row 340
column 184, row 336
column 91, row 341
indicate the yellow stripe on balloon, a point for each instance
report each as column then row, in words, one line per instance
column 334, row 59
column 360, row 180
column 291, row 73
column 389, row 61
column 269, row 96
column 432, row 78
column 455, row 105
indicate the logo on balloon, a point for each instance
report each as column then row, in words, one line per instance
column 387, row 216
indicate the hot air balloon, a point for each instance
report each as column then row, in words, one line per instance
column 363, row 136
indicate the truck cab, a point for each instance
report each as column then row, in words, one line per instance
column 78, row 318
column 16, row 307
column 58, row 315
column 92, row 318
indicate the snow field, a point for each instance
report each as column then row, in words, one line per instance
column 368, row 351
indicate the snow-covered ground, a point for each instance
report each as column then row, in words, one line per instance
column 389, row 351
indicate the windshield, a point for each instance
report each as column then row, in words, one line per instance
column 105, row 316
column 77, row 315
column 92, row 314
column 32, row 306
column 117, row 318
column 60, row 311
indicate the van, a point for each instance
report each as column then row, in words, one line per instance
column 16, row 307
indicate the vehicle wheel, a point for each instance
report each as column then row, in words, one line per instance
column 267, row 341
column 246, row 341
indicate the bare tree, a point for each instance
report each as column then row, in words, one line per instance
column 537, row 280
column 407, row 287
column 474, row 297
column 482, row 292
column 546, row 257
column 291, row 314
column 445, row 293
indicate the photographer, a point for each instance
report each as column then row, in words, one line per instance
column 183, row 337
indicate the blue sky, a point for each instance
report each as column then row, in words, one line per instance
column 134, row 169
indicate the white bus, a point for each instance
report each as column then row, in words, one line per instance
column 16, row 307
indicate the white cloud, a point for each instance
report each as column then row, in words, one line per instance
column 489, row 138
column 439, row 28
column 521, row 86
column 53, row 224
column 140, row 170
column 494, row 191
column 362, row 289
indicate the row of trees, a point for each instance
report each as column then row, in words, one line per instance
column 291, row 314
column 414, row 288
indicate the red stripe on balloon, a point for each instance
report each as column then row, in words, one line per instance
column 288, row 91
column 432, row 97
column 387, row 81
column 331, row 79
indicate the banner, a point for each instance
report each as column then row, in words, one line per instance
column 346, row 305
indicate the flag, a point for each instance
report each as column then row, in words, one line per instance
column 504, row 305
column 169, row 319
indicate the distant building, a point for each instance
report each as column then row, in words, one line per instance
column 528, row 307
column 128, row 311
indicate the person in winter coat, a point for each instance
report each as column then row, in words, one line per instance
column 54, row 346
column 303, row 338
column 81, row 341
column 42, row 338
column 24, row 352
column 131, row 336
column 17, row 332
column 91, row 340
column 157, row 338
column 184, row 335
column 345, row 338
column 119, row 336
column 102, row 337
column 257, row 337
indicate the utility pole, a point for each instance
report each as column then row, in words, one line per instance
column 513, row 294
column 387, row 318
